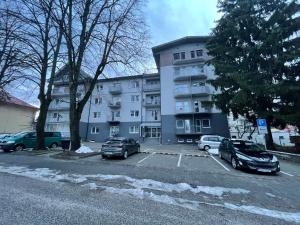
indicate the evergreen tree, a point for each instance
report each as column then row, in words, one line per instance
column 255, row 52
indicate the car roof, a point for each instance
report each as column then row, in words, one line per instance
column 116, row 138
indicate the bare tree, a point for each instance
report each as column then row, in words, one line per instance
column 42, row 32
column 11, row 50
column 99, row 34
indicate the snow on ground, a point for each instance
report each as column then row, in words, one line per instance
column 270, row 195
column 84, row 149
column 213, row 151
column 141, row 189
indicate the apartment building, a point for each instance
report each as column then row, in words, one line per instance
column 167, row 107
column 186, row 111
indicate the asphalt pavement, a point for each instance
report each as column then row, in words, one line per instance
column 147, row 188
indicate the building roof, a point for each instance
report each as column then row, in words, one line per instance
column 8, row 99
column 180, row 41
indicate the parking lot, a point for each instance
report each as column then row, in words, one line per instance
column 189, row 158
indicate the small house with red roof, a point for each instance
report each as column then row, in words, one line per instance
column 15, row 114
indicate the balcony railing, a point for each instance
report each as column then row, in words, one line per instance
column 192, row 129
column 148, row 87
column 59, row 92
column 152, row 104
column 189, row 91
column 59, row 107
column 116, row 104
column 182, row 73
column 113, row 118
column 115, row 89
column 192, row 111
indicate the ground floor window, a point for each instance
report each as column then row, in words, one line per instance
column 134, row 129
column 152, row 132
column 95, row 130
column 206, row 123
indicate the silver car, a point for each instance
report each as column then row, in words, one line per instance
column 209, row 141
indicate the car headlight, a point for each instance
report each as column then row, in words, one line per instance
column 10, row 142
column 274, row 159
column 242, row 157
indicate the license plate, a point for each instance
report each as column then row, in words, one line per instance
column 264, row 170
column 108, row 153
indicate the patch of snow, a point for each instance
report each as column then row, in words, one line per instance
column 213, row 151
column 270, row 195
column 179, row 187
column 46, row 174
column 287, row 216
column 84, row 149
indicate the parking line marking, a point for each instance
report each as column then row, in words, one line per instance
column 220, row 163
column 145, row 158
column 179, row 160
column 287, row 173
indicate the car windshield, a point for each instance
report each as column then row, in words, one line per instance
column 247, row 146
column 20, row 134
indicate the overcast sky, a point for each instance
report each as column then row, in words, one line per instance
column 172, row 19
column 167, row 20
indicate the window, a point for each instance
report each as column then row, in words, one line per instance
column 198, row 83
column 57, row 101
column 99, row 87
column 55, row 115
column 176, row 56
column 98, row 100
column 206, row 123
column 134, row 113
column 192, row 54
column 134, row 129
column 179, row 124
column 95, row 130
column 97, row 114
column 135, row 98
column 199, row 53
column 182, row 54
column 135, row 84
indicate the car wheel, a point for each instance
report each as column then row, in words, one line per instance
column 53, row 145
column 206, row 147
column 234, row 163
column 19, row 148
column 125, row 155
column 104, row 156
column 220, row 155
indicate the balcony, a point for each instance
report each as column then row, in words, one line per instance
column 115, row 89
column 189, row 72
column 193, row 129
column 113, row 119
column 185, row 111
column 150, row 88
column 114, row 105
column 200, row 91
column 60, row 107
column 60, row 92
column 152, row 104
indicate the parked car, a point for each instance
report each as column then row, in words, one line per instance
column 248, row 155
column 3, row 136
column 120, row 146
column 209, row 141
column 24, row 140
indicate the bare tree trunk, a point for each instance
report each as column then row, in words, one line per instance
column 74, row 127
column 40, row 126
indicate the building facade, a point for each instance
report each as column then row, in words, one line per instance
column 167, row 107
column 15, row 115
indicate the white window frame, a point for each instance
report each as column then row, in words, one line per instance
column 95, row 130
column 55, row 115
column 134, row 129
column 97, row 100
column 135, row 84
column 208, row 122
column 199, row 50
column 96, row 115
column 177, row 54
column 179, row 127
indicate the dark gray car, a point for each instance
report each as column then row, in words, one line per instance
column 119, row 146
